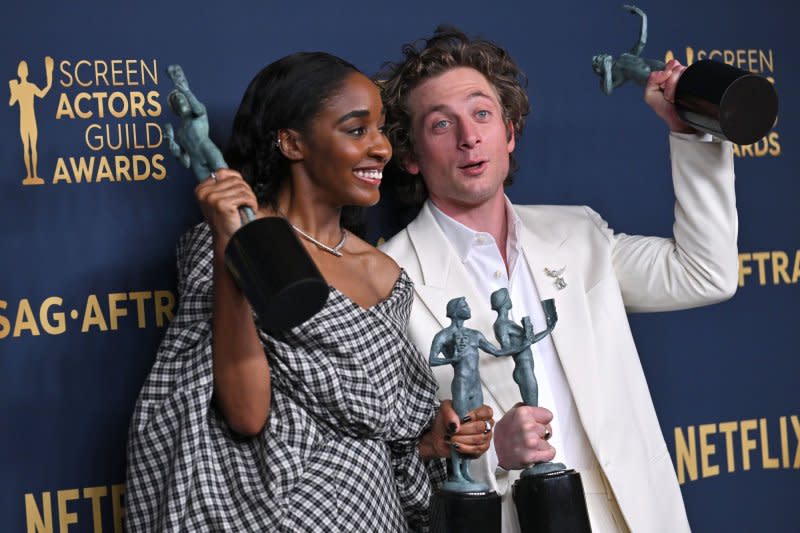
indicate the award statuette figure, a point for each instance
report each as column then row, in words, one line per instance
column 270, row 266
column 548, row 496
column 727, row 102
column 464, row 505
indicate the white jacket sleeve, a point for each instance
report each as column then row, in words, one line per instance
column 699, row 265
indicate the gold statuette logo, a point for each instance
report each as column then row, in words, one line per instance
column 24, row 94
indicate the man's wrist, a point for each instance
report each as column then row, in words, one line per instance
column 494, row 461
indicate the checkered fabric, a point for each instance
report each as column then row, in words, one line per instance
column 350, row 398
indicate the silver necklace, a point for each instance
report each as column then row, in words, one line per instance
column 335, row 250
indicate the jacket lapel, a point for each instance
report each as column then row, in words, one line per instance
column 445, row 278
column 573, row 332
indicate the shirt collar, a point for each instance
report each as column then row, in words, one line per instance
column 464, row 239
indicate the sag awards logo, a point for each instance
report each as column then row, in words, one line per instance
column 754, row 60
column 114, row 103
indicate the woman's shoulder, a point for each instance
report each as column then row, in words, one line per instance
column 368, row 251
column 374, row 262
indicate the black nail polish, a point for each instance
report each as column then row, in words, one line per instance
column 466, row 419
column 451, row 427
column 447, row 438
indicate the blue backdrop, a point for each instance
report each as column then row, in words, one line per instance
column 87, row 277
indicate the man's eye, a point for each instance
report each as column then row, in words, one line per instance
column 482, row 114
column 441, row 124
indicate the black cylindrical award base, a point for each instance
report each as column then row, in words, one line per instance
column 276, row 274
column 727, row 102
column 551, row 503
column 458, row 512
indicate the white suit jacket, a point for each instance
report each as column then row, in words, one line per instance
column 607, row 274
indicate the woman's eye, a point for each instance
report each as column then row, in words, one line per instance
column 358, row 132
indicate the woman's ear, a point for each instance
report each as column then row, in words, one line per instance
column 410, row 165
column 290, row 144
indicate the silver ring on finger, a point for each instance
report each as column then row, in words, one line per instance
column 214, row 176
column 547, row 433
column 488, row 427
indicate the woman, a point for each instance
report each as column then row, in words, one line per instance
column 327, row 426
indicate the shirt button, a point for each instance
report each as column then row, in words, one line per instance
column 479, row 240
column 497, row 274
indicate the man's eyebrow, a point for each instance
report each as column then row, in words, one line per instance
column 478, row 94
column 444, row 108
column 357, row 113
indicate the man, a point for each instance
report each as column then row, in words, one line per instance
column 456, row 107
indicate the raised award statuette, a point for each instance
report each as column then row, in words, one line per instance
column 548, row 496
column 270, row 266
column 727, row 102
column 464, row 505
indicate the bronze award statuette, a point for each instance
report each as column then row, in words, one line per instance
column 727, row 102
column 268, row 262
column 549, row 497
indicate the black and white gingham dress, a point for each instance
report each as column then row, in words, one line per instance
column 350, row 398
